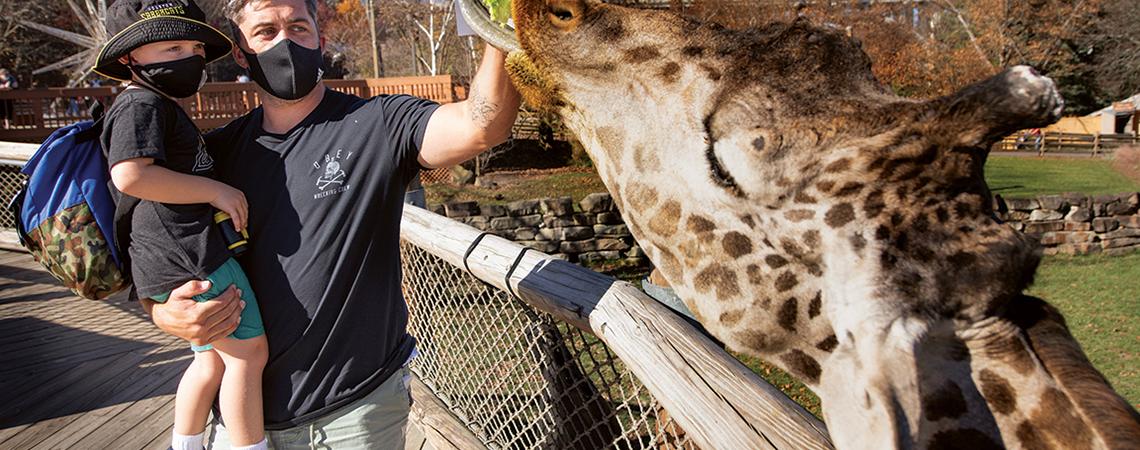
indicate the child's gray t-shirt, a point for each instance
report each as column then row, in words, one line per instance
column 169, row 244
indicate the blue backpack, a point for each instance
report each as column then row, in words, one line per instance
column 65, row 213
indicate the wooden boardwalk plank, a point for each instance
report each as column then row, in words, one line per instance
column 99, row 426
column 77, row 373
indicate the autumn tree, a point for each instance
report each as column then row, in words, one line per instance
column 23, row 50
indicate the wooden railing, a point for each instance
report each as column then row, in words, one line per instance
column 35, row 113
column 1057, row 142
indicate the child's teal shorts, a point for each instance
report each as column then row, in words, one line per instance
column 230, row 273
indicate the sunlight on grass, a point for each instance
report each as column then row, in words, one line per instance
column 1100, row 299
column 1013, row 176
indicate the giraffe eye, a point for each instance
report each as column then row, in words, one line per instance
column 717, row 171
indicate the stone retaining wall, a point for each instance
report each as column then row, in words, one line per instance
column 1076, row 224
column 592, row 230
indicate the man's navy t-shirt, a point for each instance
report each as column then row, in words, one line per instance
column 325, row 200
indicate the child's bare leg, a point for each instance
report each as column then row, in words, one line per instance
column 196, row 392
column 240, row 395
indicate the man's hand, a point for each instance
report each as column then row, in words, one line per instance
column 200, row 323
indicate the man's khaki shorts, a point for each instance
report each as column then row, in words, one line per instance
column 377, row 421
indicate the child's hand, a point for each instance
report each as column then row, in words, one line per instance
column 232, row 202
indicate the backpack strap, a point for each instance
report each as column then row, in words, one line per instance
column 16, row 206
column 97, row 127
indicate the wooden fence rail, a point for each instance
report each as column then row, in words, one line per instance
column 1058, row 142
column 35, row 113
column 719, row 402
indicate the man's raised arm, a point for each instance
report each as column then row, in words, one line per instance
column 457, row 132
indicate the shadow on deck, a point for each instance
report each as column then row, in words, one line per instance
column 77, row 373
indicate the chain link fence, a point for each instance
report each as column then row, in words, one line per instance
column 516, row 377
column 10, row 182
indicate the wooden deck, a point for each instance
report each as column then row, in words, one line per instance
column 77, row 373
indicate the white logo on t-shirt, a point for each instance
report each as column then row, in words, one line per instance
column 332, row 178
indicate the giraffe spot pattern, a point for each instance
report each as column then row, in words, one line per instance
column 730, row 318
column 828, row 344
column 963, row 438
column 692, row 51
column 699, row 224
column 755, row 274
column 775, row 261
column 838, row 165
column 758, row 144
column 640, row 54
column 736, row 244
column 787, row 315
column 799, row 215
column 1029, row 438
column 612, row 32
column 799, row 363
column 711, row 72
column 664, row 223
column 792, row 248
column 786, row 281
column 719, row 278
column 804, row 198
column 755, row 340
column 748, row 220
column 669, row 72
column 946, row 402
column 849, row 189
column 874, row 204
column 858, row 242
column 812, row 238
column 997, row 391
column 1056, row 417
column 839, row 215
column 814, row 305
column 644, row 159
column 1012, row 351
column 641, row 194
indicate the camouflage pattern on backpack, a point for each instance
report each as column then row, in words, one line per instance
column 73, row 248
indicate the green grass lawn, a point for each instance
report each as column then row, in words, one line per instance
column 1013, row 176
column 1100, row 298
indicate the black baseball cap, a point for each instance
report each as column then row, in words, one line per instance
column 134, row 23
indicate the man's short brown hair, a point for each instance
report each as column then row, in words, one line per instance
column 234, row 9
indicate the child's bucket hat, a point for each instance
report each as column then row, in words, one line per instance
column 133, row 23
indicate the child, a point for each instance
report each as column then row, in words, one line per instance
column 164, row 193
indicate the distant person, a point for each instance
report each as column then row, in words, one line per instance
column 7, row 106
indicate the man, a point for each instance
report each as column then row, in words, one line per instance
column 325, row 175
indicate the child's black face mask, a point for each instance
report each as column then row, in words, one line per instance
column 178, row 79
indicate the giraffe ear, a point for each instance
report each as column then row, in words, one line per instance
column 981, row 114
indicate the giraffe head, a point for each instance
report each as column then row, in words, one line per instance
column 809, row 217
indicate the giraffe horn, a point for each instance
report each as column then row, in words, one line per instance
column 480, row 22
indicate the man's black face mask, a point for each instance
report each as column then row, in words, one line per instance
column 287, row 70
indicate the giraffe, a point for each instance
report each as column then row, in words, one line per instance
column 810, row 217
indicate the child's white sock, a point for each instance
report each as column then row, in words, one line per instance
column 187, row 442
column 263, row 445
